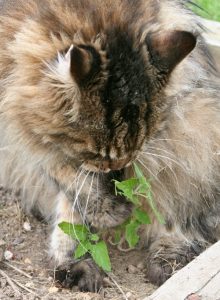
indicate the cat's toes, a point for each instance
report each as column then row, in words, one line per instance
column 115, row 214
column 86, row 274
column 119, row 214
column 124, row 211
column 163, row 260
column 159, row 270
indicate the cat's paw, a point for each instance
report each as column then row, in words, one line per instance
column 86, row 274
column 111, row 214
column 164, row 259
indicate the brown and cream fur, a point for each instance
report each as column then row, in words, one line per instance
column 86, row 88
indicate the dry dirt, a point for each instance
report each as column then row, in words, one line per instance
column 27, row 277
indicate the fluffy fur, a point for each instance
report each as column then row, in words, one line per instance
column 87, row 87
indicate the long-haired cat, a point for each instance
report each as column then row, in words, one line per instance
column 86, row 88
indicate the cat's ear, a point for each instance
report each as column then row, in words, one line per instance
column 80, row 62
column 167, row 49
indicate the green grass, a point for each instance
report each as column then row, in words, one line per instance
column 210, row 9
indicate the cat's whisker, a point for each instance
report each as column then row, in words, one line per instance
column 168, row 157
column 76, row 181
column 164, row 158
column 87, row 200
column 154, row 176
column 6, row 148
column 95, row 207
column 144, row 165
column 81, row 211
column 162, row 150
column 78, row 174
column 77, row 195
column 75, row 200
column 172, row 140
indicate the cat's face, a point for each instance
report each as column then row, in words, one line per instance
column 111, row 95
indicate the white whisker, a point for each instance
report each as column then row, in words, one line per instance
column 78, row 174
column 153, row 175
column 173, row 140
column 162, row 150
column 87, row 200
column 165, row 158
column 77, row 193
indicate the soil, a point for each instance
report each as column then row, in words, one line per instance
column 26, row 275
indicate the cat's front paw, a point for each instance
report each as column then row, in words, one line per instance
column 165, row 258
column 85, row 273
column 111, row 214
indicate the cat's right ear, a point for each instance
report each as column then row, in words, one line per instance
column 80, row 62
column 168, row 48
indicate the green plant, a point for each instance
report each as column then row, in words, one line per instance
column 88, row 243
column 207, row 9
column 133, row 189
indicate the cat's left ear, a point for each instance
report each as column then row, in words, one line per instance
column 167, row 49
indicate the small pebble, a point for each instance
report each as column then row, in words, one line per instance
column 18, row 241
column 27, row 226
column 129, row 296
column 8, row 255
column 30, row 268
column 132, row 269
column 107, row 282
column 1, row 254
column 50, row 278
column 140, row 266
column 29, row 284
column 194, row 297
column 53, row 290
column 3, row 283
column 2, row 243
column 27, row 261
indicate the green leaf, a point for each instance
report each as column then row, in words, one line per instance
column 117, row 236
column 100, row 255
column 152, row 204
column 138, row 171
column 131, row 235
column 127, row 187
column 77, row 232
column 144, row 184
column 142, row 216
column 94, row 237
column 82, row 249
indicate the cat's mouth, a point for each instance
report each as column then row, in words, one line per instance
column 107, row 165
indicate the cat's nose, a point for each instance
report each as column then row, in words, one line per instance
column 106, row 165
column 113, row 165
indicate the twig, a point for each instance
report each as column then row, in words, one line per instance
column 10, row 282
column 18, row 270
column 25, row 288
column 119, row 245
column 118, row 286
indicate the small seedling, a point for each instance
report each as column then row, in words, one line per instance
column 133, row 189
column 88, row 243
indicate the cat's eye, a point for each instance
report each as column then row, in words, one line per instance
column 90, row 155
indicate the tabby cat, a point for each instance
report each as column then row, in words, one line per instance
column 87, row 87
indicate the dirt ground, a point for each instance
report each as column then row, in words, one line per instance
column 26, row 276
